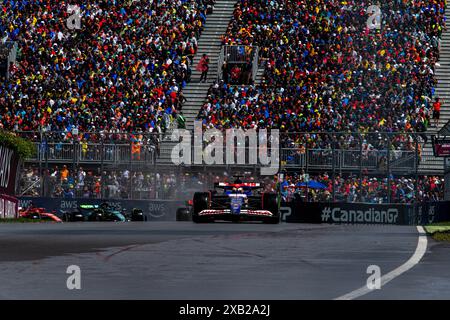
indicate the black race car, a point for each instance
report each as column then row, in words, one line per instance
column 185, row 213
column 103, row 212
column 93, row 212
column 238, row 201
column 136, row 215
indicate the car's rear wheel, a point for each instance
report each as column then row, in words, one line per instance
column 183, row 214
column 137, row 215
column 200, row 203
column 270, row 203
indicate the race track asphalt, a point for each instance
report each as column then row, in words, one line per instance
column 183, row 260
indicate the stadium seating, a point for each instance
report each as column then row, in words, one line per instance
column 123, row 70
column 325, row 70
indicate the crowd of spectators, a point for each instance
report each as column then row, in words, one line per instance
column 64, row 182
column 352, row 188
column 121, row 76
column 325, row 70
column 123, row 71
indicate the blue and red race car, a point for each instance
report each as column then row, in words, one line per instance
column 238, row 201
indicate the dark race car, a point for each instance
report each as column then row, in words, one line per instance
column 136, row 215
column 103, row 212
column 92, row 212
column 238, row 201
column 185, row 213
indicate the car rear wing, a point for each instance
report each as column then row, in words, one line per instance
column 252, row 185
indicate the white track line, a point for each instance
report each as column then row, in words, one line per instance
column 415, row 259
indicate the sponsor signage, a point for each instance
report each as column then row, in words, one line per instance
column 441, row 147
column 372, row 215
column 9, row 162
column 154, row 209
column 352, row 213
column 8, row 168
column 366, row 213
column 8, row 207
column 432, row 212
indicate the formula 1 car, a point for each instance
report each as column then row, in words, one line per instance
column 136, row 215
column 185, row 213
column 93, row 212
column 238, row 201
column 39, row 214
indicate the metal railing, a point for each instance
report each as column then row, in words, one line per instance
column 220, row 62
column 386, row 155
column 238, row 54
column 94, row 153
column 394, row 152
column 255, row 63
column 348, row 160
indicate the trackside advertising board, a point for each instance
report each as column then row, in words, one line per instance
column 432, row 212
column 8, row 207
column 352, row 213
column 367, row 213
column 9, row 163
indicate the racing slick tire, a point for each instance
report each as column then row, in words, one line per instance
column 183, row 214
column 270, row 203
column 200, row 203
column 137, row 215
column 66, row 217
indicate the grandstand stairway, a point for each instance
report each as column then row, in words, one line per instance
column 429, row 164
column 260, row 75
column 210, row 42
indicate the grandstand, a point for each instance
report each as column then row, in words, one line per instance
column 442, row 90
column 348, row 100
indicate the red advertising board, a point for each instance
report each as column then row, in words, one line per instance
column 9, row 161
column 441, row 147
column 9, row 207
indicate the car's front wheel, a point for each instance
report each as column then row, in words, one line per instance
column 183, row 214
column 201, row 202
column 270, row 203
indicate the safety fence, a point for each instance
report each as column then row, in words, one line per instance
column 384, row 153
column 90, row 182
column 350, row 160
column 107, row 153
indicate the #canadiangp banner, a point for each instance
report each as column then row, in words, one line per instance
column 350, row 213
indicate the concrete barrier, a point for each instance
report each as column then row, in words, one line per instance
column 367, row 213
